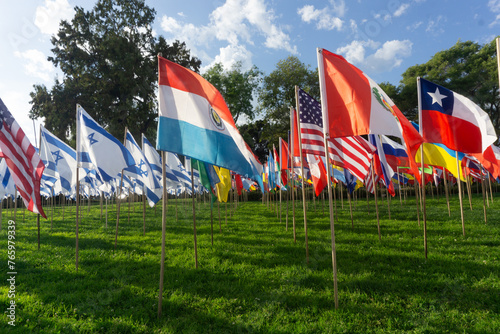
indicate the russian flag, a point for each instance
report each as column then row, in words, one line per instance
column 451, row 119
column 395, row 153
column 195, row 121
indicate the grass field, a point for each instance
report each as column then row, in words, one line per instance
column 255, row 278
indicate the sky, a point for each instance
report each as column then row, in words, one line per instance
column 382, row 38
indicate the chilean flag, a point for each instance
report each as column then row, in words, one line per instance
column 195, row 121
column 353, row 104
column 451, row 119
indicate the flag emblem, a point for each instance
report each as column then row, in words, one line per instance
column 57, row 156
column 91, row 138
column 216, row 120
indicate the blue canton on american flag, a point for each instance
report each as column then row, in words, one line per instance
column 22, row 160
column 352, row 153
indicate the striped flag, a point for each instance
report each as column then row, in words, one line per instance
column 381, row 167
column 352, row 153
column 24, row 163
column 195, row 121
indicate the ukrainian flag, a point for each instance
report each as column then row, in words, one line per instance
column 440, row 155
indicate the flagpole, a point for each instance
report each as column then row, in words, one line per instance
column 460, row 193
column 163, row 231
column 118, row 200
column 324, row 111
column 469, row 190
column 77, row 203
column 446, row 190
column 424, row 211
column 194, row 219
column 292, row 127
column 376, row 199
column 484, row 193
column 350, row 207
column 302, row 170
column 498, row 57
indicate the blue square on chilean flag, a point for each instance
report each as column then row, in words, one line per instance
column 435, row 97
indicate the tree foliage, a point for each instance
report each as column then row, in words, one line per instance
column 108, row 57
column 467, row 68
column 277, row 95
column 236, row 87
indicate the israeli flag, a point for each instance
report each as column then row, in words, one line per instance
column 178, row 169
column 141, row 172
column 59, row 160
column 99, row 150
column 154, row 161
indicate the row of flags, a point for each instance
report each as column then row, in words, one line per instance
column 194, row 121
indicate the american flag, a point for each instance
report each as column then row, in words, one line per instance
column 24, row 163
column 352, row 153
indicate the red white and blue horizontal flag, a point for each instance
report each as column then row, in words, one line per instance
column 453, row 120
column 195, row 121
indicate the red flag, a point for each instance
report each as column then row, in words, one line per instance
column 353, row 104
column 489, row 160
column 352, row 153
column 239, row 183
column 22, row 160
column 284, row 161
column 318, row 173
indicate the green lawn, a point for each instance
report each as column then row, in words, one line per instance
column 255, row 278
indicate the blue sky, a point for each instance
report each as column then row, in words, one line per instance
column 382, row 38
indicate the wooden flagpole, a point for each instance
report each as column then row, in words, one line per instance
column 302, row 172
column 144, row 212
column 460, row 193
column 212, row 221
column 292, row 121
column 324, row 111
column 446, row 191
column 399, row 185
column 469, row 190
column 424, row 215
column 350, row 207
column 218, row 208
column 194, row 219
column 106, row 212
column 163, row 231
column 489, row 186
column 77, row 182
column 118, row 200
column 484, row 194
column 376, row 200
column 332, row 227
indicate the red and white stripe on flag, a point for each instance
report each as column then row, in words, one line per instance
column 22, row 160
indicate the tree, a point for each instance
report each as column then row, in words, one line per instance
column 236, row 87
column 467, row 68
column 277, row 95
column 108, row 57
column 253, row 134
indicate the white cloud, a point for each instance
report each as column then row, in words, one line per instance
column 401, row 9
column 494, row 6
column 230, row 55
column 355, row 52
column 237, row 22
column 434, row 26
column 49, row 15
column 414, row 26
column 385, row 57
column 327, row 18
column 36, row 64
